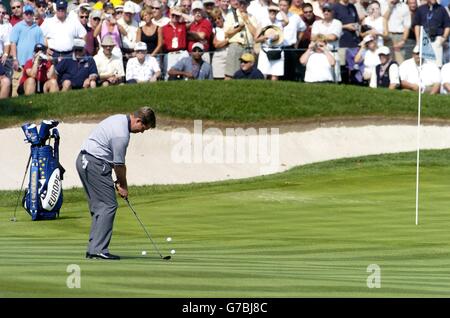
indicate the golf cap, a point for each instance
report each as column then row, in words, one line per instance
column 28, row 8
column 61, row 4
column 108, row 41
column 156, row 4
column 198, row 45
column 175, row 11
column 327, row 6
column 197, row 5
column 247, row 57
column 96, row 14
column 85, row 5
column 209, row 2
column 39, row 47
column 140, row 46
column 79, row 44
column 383, row 50
column 41, row 3
column 119, row 8
column 273, row 7
column 416, row 49
column 128, row 7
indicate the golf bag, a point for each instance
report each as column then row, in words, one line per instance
column 44, row 196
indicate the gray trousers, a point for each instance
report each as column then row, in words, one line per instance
column 96, row 178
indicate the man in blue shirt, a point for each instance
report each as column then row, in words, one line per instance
column 436, row 22
column 248, row 69
column 192, row 67
column 24, row 36
column 77, row 72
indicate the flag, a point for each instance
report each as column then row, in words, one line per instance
column 426, row 48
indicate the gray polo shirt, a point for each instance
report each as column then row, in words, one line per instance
column 109, row 140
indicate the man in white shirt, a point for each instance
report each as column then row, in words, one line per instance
column 386, row 74
column 109, row 66
column 429, row 79
column 143, row 67
column 399, row 23
column 60, row 31
column 131, row 26
column 445, row 82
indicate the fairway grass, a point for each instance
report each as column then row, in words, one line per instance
column 309, row 232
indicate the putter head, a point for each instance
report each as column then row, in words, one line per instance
column 167, row 258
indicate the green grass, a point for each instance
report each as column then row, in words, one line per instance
column 308, row 232
column 235, row 101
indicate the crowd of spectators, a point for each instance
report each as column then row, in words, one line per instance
column 58, row 46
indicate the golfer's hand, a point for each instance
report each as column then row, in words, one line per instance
column 123, row 192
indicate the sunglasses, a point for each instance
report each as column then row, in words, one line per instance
column 197, row 50
column 96, row 19
column 41, row 6
column 244, row 62
column 307, row 12
column 14, row 8
column 326, row 10
column 83, row 16
column 2, row 12
column 154, row 8
column 28, row 13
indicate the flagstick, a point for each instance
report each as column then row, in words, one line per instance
column 418, row 127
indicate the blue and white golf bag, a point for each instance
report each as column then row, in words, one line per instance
column 44, row 196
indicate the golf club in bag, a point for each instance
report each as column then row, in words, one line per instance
column 146, row 232
column 14, row 219
column 44, row 196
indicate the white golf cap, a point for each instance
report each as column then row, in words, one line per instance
column 209, row 2
column 198, row 45
column 140, row 46
column 384, row 50
column 79, row 43
column 416, row 49
column 129, row 7
column 197, row 5
column 96, row 14
column 85, row 5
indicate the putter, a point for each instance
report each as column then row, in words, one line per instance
column 14, row 219
column 146, row 232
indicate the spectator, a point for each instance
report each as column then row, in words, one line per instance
column 308, row 18
column 293, row 33
column 192, row 67
column 399, row 23
column 24, row 36
column 108, row 25
column 142, row 68
column 362, row 8
column 77, row 72
column 5, row 83
column 131, row 26
column 109, row 66
column 220, row 43
column 368, row 56
column 240, row 28
column 375, row 23
column 200, row 30
column 259, row 9
column 271, row 57
column 186, row 6
column 247, row 69
column 41, row 11
column 411, row 42
column 5, row 45
column 158, row 18
column 17, row 12
column 429, row 79
column 150, row 33
column 386, row 73
column 208, row 6
column 61, row 32
column 36, row 77
column 319, row 62
column 93, row 20
column 436, row 22
column 349, row 40
column 174, row 40
column 224, row 7
column 83, row 16
column 297, row 7
column 332, row 29
column 445, row 79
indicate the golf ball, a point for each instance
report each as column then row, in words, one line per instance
column 169, row 239
column 172, row 252
column 144, row 253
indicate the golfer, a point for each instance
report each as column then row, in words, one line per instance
column 103, row 151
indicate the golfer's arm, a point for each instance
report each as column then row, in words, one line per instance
column 121, row 174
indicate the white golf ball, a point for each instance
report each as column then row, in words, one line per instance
column 172, row 252
column 144, row 253
column 169, row 239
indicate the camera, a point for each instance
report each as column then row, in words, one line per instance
column 43, row 56
column 108, row 16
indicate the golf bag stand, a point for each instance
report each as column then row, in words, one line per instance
column 44, row 196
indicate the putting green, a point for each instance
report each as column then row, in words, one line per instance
column 312, row 231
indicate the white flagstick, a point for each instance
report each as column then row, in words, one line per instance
column 418, row 125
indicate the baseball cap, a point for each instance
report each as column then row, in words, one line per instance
column 156, row 4
column 61, row 4
column 78, row 43
column 247, row 57
column 384, row 50
column 416, row 49
column 39, row 47
column 28, row 8
column 209, row 2
column 96, row 14
column 41, row 3
column 197, row 5
column 198, row 45
column 128, row 7
column 327, row 6
column 175, row 11
column 85, row 5
column 108, row 41
column 273, row 7
column 140, row 46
